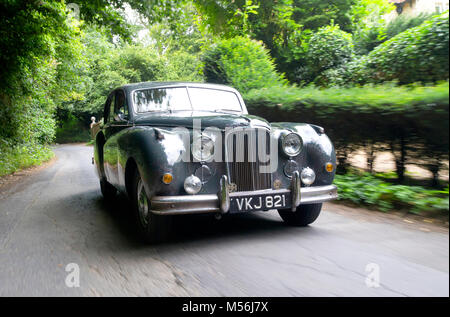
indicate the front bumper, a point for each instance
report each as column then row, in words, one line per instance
column 220, row 203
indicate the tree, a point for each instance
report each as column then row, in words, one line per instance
column 328, row 48
column 39, row 48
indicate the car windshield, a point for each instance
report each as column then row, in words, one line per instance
column 182, row 98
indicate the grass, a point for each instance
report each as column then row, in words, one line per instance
column 22, row 156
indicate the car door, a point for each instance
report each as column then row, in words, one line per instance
column 117, row 120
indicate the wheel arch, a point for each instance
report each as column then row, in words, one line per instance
column 130, row 169
column 98, row 154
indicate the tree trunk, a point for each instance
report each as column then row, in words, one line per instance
column 342, row 156
column 400, row 159
column 370, row 157
column 400, row 162
column 434, row 168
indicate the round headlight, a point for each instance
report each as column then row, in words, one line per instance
column 290, row 168
column 308, row 176
column 292, row 144
column 192, row 184
column 203, row 148
column 204, row 173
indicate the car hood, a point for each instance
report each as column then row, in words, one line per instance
column 207, row 119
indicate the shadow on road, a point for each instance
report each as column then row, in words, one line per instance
column 190, row 228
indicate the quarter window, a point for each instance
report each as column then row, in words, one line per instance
column 120, row 107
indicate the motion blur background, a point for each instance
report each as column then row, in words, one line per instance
column 374, row 73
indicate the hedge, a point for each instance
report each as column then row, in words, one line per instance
column 412, row 121
column 419, row 54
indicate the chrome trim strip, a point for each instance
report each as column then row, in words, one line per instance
column 318, row 194
column 296, row 190
column 224, row 195
column 209, row 203
column 186, row 204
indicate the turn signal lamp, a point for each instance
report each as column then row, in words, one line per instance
column 329, row 167
column 167, row 178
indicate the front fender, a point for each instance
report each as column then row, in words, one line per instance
column 317, row 150
column 155, row 151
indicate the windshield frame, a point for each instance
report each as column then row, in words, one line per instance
column 187, row 87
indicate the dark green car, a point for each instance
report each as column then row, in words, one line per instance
column 183, row 148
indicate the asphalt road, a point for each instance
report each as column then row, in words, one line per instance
column 56, row 216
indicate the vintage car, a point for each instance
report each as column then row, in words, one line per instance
column 182, row 148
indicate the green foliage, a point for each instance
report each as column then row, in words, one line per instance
column 412, row 121
column 72, row 130
column 16, row 157
column 369, row 190
column 405, row 22
column 376, row 31
column 369, row 36
column 369, row 26
column 328, row 48
column 183, row 66
column 111, row 66
column 184, row 35
column 242, row 63
column 314, row 14
column 40, row 63
column 419, row 54
column 364, row 11
column 283, row 26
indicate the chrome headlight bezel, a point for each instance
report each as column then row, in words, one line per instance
column 198, row 153
column 287, row 141
column 290, row 167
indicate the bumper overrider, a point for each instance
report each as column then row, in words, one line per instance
column 220, row 203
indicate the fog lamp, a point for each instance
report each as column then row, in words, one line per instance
column 308, row 176
column 192, row 184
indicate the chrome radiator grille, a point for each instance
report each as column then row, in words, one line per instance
column 243, row 162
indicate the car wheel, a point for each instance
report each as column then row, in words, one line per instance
column 153, row 228
column 108, row 191
column 303, row 216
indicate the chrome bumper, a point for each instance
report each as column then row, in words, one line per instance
column 220, row 203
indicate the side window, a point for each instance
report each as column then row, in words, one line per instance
column 120, row 107
column 107, row 110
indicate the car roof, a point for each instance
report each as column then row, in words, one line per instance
column 156, row 84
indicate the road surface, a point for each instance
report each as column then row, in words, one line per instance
column 56, row 217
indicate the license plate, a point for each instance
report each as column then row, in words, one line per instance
column 260, row 202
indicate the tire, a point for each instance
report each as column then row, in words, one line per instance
column 303, row 216
column 151, row 227
column 109, row 192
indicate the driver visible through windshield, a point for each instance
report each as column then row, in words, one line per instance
column 185, row 98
